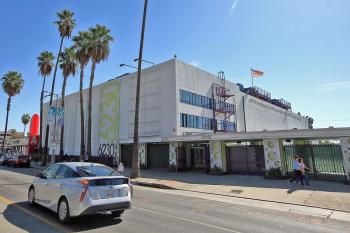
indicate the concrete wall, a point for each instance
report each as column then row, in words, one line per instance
column 195, row 80
column 260, row 115
column 157, row 101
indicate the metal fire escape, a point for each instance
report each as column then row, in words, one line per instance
column 223, row 105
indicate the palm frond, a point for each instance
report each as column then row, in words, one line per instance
column 12, row 83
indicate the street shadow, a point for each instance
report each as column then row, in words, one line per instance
column 25, row 171
column 29, row 218
column 199, row 177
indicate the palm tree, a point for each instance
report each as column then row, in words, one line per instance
column 135, row 155
column 25, row 120
column 99, row 51
column 65, row 24
column 12, row 84
column 68, row 66
column 45, row 65
column 82, row 45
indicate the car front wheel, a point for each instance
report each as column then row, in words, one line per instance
column 63, row 211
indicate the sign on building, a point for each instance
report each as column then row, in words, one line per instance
column 55, row 114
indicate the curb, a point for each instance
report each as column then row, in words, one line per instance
column 153, row 185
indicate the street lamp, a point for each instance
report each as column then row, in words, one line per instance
column 136, row 59
column 123, row 64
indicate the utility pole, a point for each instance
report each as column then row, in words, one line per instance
column 135, row 149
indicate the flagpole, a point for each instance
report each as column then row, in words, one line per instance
column 251, row 76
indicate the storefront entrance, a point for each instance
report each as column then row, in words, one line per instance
column 194, row 156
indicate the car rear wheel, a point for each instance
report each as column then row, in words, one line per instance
column 63, row 211
column 31, row 196
column 117, row 213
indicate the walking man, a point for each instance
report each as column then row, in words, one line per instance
column 296, row 170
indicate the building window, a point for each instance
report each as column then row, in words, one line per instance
column 196, row 100
column 183, row 119
column 196, row 122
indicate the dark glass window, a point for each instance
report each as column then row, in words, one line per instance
column 66, row 172
column 96, row 170
column 183, row 120
column 187, row 97
column 50, row 172
column 194, row 99
column 198, row 122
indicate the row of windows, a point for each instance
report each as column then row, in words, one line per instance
column 194, row 99
column 205, row 102
column 198, row 122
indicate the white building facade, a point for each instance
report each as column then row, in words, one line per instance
column 177, row 99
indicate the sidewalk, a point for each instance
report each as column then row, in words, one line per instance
column 322, row 194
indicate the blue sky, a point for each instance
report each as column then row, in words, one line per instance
column 302, row 46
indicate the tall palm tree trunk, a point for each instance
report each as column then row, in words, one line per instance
column 90, row 109
column 41, row 118
column 135, row 155
column 62, row 127
column 44, row 158
column 7, row 118
column 82, row 129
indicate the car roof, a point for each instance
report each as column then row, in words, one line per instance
column 73, row 165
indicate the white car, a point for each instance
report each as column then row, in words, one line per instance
column 80, row 188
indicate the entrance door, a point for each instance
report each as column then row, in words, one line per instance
column 197, row 158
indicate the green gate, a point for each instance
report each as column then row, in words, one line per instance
column 325, row 161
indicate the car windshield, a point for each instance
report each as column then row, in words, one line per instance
column 85, row 171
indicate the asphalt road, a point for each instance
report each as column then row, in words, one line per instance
column 153, row 211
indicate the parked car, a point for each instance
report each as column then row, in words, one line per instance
column 74, row 189
column 2, row 159
column 19, row 161
column 5, row 159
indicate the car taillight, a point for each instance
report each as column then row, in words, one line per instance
column 85, row 185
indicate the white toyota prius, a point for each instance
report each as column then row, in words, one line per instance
column 80, row 188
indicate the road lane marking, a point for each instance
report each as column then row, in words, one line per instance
column 187, row 220
column 10, row 202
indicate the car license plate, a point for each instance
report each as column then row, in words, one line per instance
column 109, row 194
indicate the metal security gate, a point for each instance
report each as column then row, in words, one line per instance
column 158, row 155
column 325, row 161
column 246, row 159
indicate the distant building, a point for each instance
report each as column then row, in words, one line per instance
column 10, row 136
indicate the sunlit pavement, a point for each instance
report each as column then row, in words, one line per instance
column 153, row 211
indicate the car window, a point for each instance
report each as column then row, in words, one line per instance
column 66, row 172
column 86, row 171
column 50, row 172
